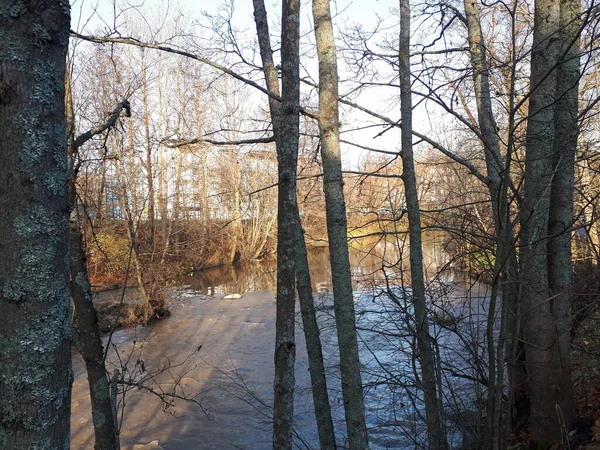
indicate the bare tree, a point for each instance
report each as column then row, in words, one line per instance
column 304, row 286
column 87, row 335
column 433, row 410
column 337, row 228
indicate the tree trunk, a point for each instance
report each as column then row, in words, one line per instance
column 505, row 263
column 304, row 286
column 35, row 337
column 89, row 344
column 148, row 143
column 88, row 340
column 288, row 137
column 337, row 228
column 436, row 434
column 547, row 368
column 313, row 344
column 561, row 197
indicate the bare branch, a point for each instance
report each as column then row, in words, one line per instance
column 110, row 122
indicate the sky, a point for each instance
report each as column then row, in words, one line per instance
column 98, row 14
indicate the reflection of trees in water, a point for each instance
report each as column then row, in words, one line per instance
column 373, row 262
column 383, row 260
column 237, row 278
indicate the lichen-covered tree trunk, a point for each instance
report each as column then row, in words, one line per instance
column 288, row 137
column 436, row 435
column 548, row 369
column 337, row 228
column 309, row 320
column 35, row 337
column 561, row 196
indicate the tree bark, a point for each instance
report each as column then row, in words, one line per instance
column 547, row 368
column 35, row 338
column 313, row 344
column 89, row 344
column 337, row 228
column 304, row 286
column 288, row 136
column 436, row 434
column 561, row 218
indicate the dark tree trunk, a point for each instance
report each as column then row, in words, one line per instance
column 434, row 419
column 89, row 344
column 311, row 329
column 548, row 367
column 505, row 264
column 313, row 345
column 88, row 340
column 287, row 157
column 561, row 219
column 35, row 337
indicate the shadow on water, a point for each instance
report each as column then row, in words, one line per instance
column 233, row 371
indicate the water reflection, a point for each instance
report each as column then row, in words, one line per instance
column 373, row 262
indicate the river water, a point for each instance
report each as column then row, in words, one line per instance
column 219, row 352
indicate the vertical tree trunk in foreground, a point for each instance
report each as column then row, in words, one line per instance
column 337, row 228
column 309, row 319
column 548, row 369
column 313, row 345
column 436, row 435
column 89, row 344
column 287, row 158
column 35, row 345
column 505, row 263
column 561, row 219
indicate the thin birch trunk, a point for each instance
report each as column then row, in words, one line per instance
column 148, row 144
column 337, row 228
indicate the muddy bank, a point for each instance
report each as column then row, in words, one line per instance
column 118, row 308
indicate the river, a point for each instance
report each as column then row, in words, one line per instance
column 220, row 352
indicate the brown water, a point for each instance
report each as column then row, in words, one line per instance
column 232, row 372
column 370, row 264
